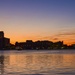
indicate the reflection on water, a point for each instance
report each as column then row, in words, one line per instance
column 1, row 64
column 37, row 64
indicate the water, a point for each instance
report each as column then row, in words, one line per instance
column 54, row 62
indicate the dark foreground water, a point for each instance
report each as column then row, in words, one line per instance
column 37, row 62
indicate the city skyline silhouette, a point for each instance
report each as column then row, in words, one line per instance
column 5, row 44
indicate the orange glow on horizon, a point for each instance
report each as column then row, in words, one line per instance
column 22, row 38
column 68, row 42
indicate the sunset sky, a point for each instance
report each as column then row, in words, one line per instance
column 52, row 20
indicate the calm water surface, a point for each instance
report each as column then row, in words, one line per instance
column 37, row 62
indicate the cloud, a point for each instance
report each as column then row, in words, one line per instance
column 55, row 38
column 66, row 33
column 58, row 36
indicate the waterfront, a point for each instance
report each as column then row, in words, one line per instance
column 54, row 62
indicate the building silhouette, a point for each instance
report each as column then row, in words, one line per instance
column 39, row 45
column 1, row 34
column 4, row 42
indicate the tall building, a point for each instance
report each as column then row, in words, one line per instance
column 1, row 34
column 4, row 42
